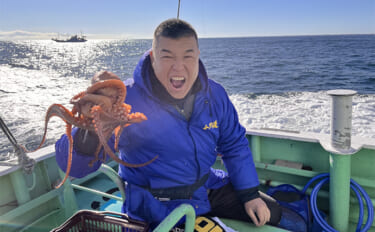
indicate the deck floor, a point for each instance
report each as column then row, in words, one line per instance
column 91, row 201
column 86, row 200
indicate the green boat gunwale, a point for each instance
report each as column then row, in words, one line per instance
column 266, row 144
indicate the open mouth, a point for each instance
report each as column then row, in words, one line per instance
column 177, row 82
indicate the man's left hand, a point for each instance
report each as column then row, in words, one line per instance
column 258, row 211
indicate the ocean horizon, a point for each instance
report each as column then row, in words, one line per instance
column 27, row 35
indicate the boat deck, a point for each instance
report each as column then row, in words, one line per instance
column 30, row 203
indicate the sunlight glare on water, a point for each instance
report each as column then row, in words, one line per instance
column 274, row 82
column 29, row 94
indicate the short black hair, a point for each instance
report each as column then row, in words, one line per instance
column 175, row 29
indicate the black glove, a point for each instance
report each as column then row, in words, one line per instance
column 86, row 142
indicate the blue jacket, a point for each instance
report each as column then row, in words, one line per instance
column 186, row 149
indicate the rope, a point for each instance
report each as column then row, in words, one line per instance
column 23, row 160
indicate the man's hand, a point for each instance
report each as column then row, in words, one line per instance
column 258, row 211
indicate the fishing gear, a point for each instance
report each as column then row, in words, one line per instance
column 8, row 133
column 26, row 162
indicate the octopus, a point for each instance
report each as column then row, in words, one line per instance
column 101, row 119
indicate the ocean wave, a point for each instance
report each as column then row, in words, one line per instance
column 274, row 82
column 302, row 111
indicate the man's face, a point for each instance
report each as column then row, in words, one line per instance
column 176, row 64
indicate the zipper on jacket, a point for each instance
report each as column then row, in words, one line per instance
column 209, row 107
column 195, row 151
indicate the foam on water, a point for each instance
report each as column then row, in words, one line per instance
column 302, row 111
column 27, row 94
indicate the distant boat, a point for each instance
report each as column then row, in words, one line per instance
column 74, row 38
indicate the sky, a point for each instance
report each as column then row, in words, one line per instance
column 123, row 19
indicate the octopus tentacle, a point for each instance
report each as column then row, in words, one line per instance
column 74, row 101
column 110, row 84
column 127, row 107
column 77, row 96
column 96, row 155
column 54, row 110
column 70, row 155
column 117, row 133
column 136, row 117
column 99, row 130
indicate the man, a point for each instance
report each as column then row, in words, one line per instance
column 190, row 121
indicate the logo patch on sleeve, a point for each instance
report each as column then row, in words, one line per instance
column 211, row 125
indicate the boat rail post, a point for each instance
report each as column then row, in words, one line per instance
column 340, row 158
column 255, row 147
column 21, row 190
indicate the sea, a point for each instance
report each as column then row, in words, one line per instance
column 273, row 82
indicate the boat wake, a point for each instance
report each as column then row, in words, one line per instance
column 302, row 111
